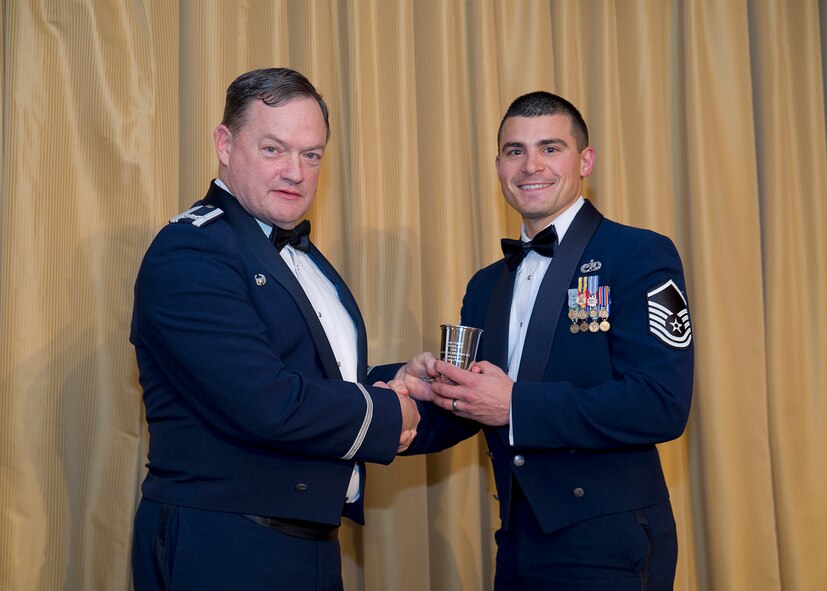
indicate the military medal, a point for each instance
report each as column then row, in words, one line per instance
column 581, row 292
column 582, row 299
column 605, row 299
column 592, row 283
column 575, row 327
column 589, row 306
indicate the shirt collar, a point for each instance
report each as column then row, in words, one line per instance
column 561, row 222
column 266, row 228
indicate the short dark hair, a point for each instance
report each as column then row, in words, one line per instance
column 540, row 104
column 274, row 87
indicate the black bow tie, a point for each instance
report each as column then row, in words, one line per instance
column 516, row 250
column 298, row 237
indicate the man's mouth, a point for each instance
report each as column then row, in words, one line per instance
column 534, row 186
column 288, row 194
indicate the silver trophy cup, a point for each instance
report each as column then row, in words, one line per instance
column 459, row 344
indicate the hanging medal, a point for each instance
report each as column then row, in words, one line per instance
column 605, row 304
column 581, row 298
column 575, row 327
column 593, row 282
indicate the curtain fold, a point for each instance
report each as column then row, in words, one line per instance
column 708, row 119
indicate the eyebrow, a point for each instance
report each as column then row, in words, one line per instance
column 281, row 142
column 544, row 142
column 552, row 141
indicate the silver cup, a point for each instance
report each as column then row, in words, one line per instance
column 459, row 344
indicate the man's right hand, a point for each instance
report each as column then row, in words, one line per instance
column 410, row 413
column 410, row 417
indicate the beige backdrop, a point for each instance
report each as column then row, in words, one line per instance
column 708, row 121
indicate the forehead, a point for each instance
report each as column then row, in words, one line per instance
column 299, row 118
column 530, row 130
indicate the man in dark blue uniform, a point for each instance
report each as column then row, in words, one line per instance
column 586, row 364
column 251, row 352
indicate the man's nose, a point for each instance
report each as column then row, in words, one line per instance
column 293, row 170
column 533, row 163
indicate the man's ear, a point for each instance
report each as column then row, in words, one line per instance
column 223, row 139
column 587, row 158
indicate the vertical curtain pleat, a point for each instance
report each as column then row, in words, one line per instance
column 708, row 118
column 792, row 180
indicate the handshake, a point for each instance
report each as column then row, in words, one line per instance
column 478, row 391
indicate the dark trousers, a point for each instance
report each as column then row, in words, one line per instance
column 181, row 549
column 628, row 551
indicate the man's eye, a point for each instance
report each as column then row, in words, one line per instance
column 270, row 149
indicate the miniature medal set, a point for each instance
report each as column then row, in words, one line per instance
column 589, row 305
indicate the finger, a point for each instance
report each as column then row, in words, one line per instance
column 399, row 387
column 446, row 389
column 417, row 388
column 487, row 367
column 380, row 385
column 444, row 403
column 405, row 440
column 429, row 362
column 452, row 372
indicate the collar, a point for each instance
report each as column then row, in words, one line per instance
column 561, row 222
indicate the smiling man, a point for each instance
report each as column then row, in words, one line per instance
column 586, row 363
column 251, row 352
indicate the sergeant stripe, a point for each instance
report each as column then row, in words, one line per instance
column 363, row 431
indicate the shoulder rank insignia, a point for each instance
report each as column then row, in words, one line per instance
column 669, row 316
column 198, row 216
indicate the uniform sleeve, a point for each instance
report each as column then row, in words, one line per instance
column 207, row 347
column 646, row 398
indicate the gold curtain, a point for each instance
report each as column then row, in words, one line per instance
column 708, row 118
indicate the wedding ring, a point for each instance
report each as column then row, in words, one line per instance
column 454, row 404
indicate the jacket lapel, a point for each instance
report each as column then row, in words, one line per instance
column 249, row 232
column 553, row 292
column 494, row 346
column 349, row 302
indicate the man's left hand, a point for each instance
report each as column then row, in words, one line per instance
column 482, row 394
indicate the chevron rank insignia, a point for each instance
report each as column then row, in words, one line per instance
column 198, row 216
column 669, row 316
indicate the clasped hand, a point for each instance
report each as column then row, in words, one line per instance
column 410, row 413
column 482, row 393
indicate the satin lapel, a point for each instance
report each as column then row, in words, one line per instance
column 494, row 346
column 553, row 292
column 249, row 232
column 349, row 302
